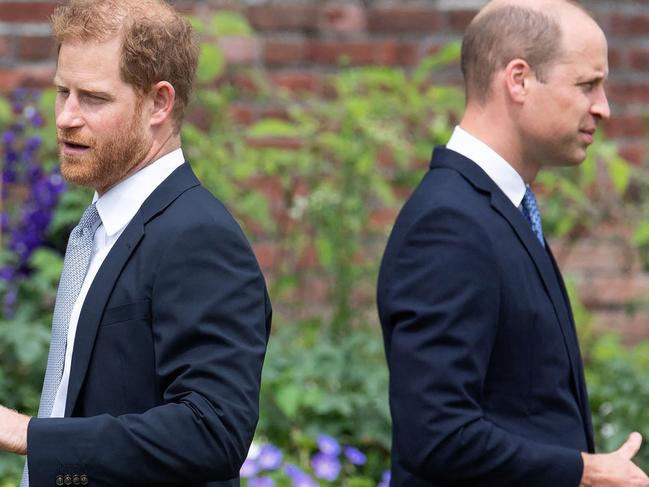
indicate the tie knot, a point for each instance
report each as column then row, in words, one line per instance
column 89, row 222
column 529, row 202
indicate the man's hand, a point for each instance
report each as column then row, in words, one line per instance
column 13, row 431
column 614, row 469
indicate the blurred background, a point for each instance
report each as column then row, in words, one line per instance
column 313, row 121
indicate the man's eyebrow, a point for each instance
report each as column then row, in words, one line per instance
column 99, row 93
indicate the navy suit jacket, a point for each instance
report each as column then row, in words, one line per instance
column 486, row 379
column 166, row 369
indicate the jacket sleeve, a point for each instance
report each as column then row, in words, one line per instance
column 210, row 324
column 441, row 299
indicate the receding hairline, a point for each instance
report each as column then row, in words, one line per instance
column 120, row 15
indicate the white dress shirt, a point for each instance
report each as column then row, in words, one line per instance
column 117, row 207
column 498, row 169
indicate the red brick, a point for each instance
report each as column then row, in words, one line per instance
column 408, row 53
column 26, row 11
column 589, row 256
column 626, row 125
column 297, row 81
column 242, row 113
column 616, row 58
column 403, row 19
column 344, row 18
column 246, row 113
column 278, row 51
column 627, row 91
column 266, row 253
column 634, row 152
column 288, row 17
column 308, row 258
column 239, row 49
column 614, row 291
column 382, row 218
column 632, row 327
column 639, row 59
column 28, row 76
column 36, row 48
column 628, row 25
column 6, row 48
column 286, row 143
column 459, row 20
column 385, row 52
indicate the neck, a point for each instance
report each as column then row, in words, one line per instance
column 495, row 130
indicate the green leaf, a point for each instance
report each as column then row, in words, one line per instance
column 228, row 23
column 273, row 127
column 5, row 111
column 288, row 399
column 211, row 63
column 641, row 235
column 197, row 24
column 620, row 173
column 445, row 56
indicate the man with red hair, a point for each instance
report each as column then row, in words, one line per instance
column 162, row 316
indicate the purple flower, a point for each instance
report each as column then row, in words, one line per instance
column 269, row 458
column 261, row 482
column 37, row 120
column 249, row 469
column 33, row 143
column 298, row 477
column 8, row 137
column 355, row 456
column 385, row 481
column 325, row 466
column 328, row 445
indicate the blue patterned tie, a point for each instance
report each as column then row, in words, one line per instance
column 75, row 266
column 532, row 214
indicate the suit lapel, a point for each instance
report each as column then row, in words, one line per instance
column 102, row 286
column 542, row 261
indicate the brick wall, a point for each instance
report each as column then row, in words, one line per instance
column 300, row 41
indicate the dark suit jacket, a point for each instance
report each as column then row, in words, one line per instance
column 486, row 380
column 166, row 370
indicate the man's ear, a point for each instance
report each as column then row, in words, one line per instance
column 518, row 77
column 163, row 96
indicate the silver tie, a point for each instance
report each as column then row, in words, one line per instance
column 75, row 266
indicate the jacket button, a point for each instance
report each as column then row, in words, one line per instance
column 67, row 480
column 59, row 480
column 84, row 479
column 76, row 480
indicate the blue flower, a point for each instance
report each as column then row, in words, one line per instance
column 249, row 468
column 325, row 466
column 270, row 457
column 328, row 445
column 261, row 482
column 298, row 477
column 385, row 481
column 355, row 456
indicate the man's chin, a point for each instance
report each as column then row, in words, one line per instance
column 75, row 171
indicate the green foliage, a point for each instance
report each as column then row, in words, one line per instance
column 312, row 181
column 569, row 194
column 339, row 384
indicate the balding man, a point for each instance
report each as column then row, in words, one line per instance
column 486, row 379
column 162, row 316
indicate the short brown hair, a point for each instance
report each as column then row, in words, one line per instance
column 505, row 33
column 157, row 43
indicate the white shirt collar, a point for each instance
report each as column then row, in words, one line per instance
column 497, row 168
column 118, row 206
